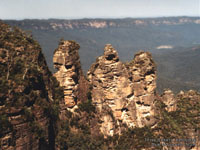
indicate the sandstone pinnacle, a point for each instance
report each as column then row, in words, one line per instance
column 66, row 61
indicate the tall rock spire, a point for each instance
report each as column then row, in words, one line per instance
column 143, row 71
column 128, row 90
column 66, row 61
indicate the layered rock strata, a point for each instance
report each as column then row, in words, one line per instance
column 27, row 93
column 66, row 61
column 128, row 91
column 111, row 87
column 143, row 73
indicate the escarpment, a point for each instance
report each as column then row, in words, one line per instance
column 28, row 93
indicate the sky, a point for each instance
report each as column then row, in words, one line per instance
column 75, row 9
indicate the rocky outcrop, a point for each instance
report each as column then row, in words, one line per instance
column 24, row 134
column 111, row 87
column 27, row 93
column 128, row 90
column 143, row 76
column 169, row 100
column 66, row 61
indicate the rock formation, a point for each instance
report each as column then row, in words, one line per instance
column 110, row 84
column 124, row 96
column 143, row 73
column 66, row 61
column 169, row 100
column 128, row 91
column 27, row 93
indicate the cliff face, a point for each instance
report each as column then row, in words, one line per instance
column 28, row 93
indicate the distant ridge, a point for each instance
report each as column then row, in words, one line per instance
column 127, row 35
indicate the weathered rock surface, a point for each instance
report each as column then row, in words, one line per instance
column 143, row 72
column 169, row 100
column 27, row 93
column 66, row 61
column 111, row 87
column 128, row 91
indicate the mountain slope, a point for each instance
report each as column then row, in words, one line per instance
column 28, row 93
column 179, row 68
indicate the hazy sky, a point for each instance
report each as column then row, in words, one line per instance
column 20, row 9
